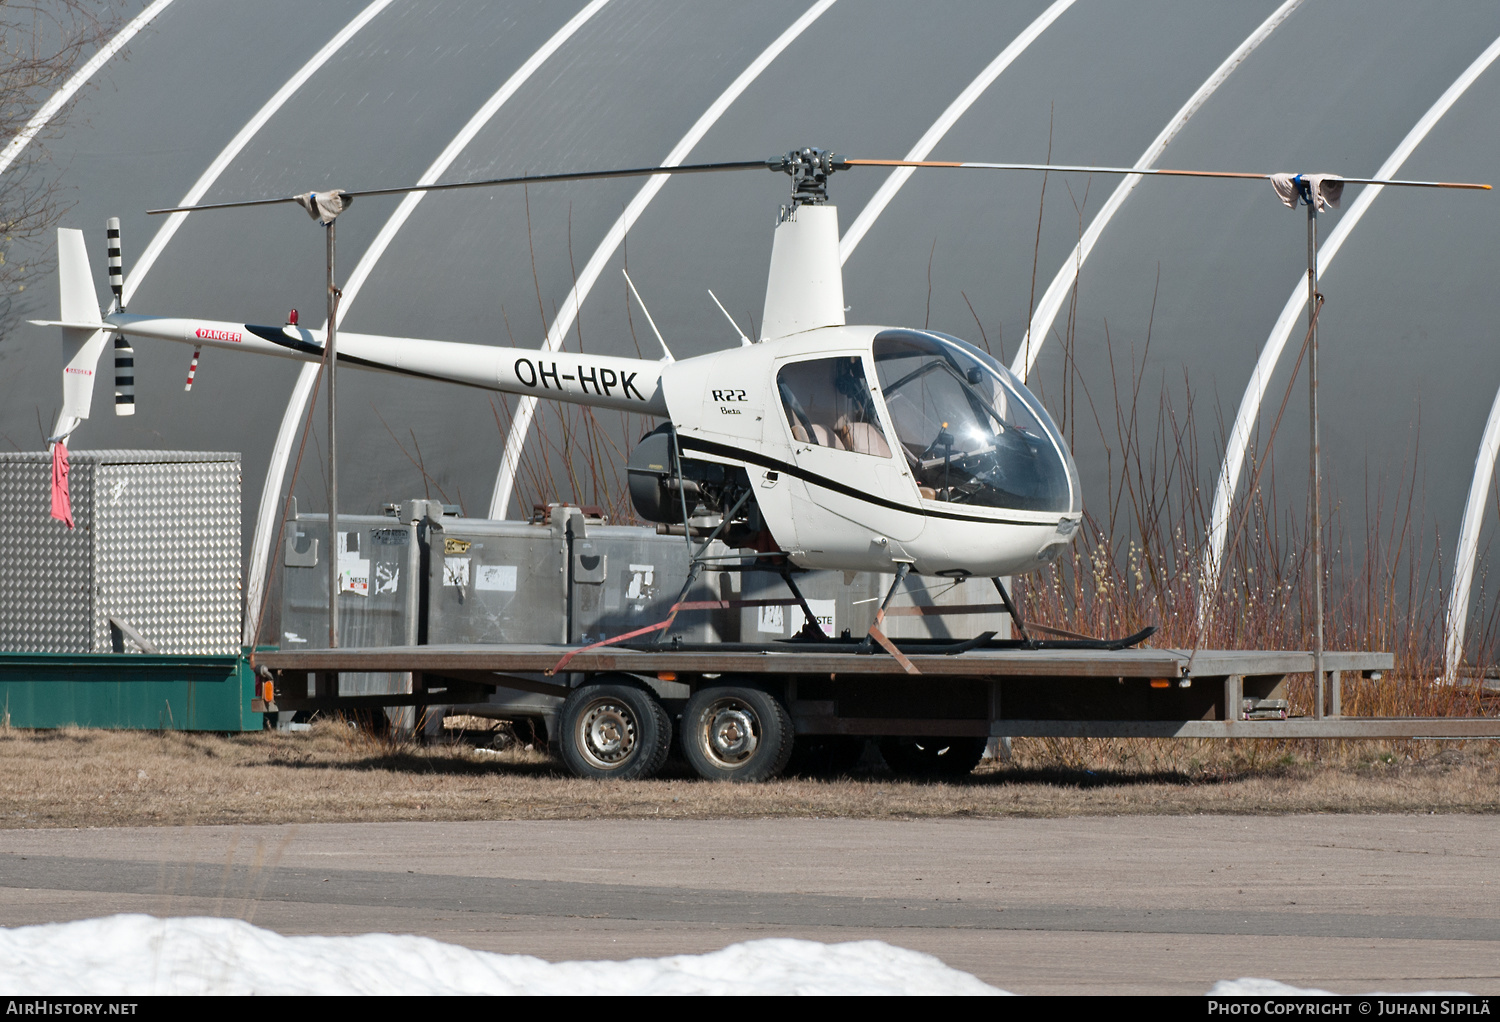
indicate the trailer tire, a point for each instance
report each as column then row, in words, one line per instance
column 614, row 730
column 736, row 733
column 825, row 755
column 932, row 756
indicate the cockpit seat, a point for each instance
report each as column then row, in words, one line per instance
column 862, row 438
column 821, row 435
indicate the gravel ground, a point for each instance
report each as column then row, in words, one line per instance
column 336, row 772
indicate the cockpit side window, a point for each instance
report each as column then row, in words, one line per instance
column 828, row 403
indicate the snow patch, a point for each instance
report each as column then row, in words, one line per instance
column 144, row 955
column 1249, row 987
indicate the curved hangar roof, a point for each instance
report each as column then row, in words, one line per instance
column 270, row 98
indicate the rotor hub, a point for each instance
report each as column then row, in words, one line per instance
column 809, row 169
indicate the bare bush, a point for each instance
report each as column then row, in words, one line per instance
column 41, row 44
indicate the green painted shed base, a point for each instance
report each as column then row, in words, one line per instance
column 128, row 691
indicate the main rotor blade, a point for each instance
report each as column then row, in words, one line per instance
column 1150, row 171
column 445, row 186
column 784, row 164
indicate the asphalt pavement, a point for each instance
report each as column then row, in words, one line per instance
column 1079, row 905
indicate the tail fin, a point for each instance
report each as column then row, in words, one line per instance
column 84, row 334
column 79, row 305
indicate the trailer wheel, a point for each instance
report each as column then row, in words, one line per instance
column 825, row 755
column 734, row 733
column 614, row 730
column 932, row 757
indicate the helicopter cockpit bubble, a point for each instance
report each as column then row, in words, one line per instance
column 971, row 432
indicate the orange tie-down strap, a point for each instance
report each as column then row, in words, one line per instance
column 890, row 647
column 671, row 616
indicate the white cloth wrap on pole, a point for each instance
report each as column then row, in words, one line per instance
column 1327, row 190
column 324, row 207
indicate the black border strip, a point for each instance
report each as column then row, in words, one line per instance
column 739, row 454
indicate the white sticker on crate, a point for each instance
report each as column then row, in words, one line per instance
column 822, row 610
column 774, row 619
column 354, row 570
column 642, row 582
column 496, row 578
column 456, row 572
column 387, row 578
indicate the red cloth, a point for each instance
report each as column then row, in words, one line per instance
column 62, row 503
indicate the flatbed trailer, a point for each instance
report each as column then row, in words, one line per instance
column 739, row 708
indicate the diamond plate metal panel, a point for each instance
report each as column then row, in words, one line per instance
column 46, row 571
column 167, row 550
column 157, row 544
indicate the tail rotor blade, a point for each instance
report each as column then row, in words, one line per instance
column 124, row 353
column 124, row 376
column 116, row 267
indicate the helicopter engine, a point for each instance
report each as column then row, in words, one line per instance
column 664, row 486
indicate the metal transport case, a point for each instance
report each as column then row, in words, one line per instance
column 156, row 547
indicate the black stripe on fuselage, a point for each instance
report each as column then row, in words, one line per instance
column 750, row 458
column 276, row 336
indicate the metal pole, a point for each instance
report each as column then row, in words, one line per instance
column 1316, row 481
column 330, row 366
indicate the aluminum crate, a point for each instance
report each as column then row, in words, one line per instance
column 625, row 578
column 380, row 588
column 156, row 545
column 497, row 581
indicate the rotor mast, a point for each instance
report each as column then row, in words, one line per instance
column 805, row 284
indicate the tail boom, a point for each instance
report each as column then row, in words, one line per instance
column 600, row 381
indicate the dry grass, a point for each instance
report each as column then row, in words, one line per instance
column 337, row 772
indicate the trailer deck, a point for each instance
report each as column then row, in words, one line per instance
column 979, row 692
column 791, row 657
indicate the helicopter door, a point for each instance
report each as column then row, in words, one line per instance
column 839, row 443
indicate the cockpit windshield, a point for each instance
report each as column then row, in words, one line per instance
column 972, row 433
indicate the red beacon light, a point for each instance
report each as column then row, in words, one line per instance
column 291, row 318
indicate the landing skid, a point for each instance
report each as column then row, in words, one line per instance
column 923, row 647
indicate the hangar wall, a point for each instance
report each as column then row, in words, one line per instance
column 377, row 94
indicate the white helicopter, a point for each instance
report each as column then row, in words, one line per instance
column 857, row 448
